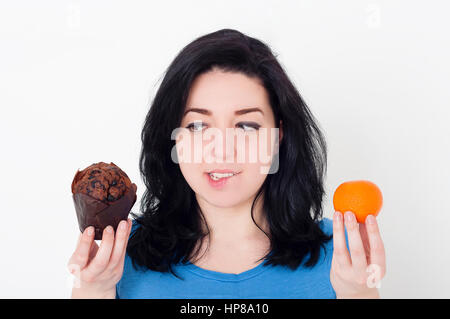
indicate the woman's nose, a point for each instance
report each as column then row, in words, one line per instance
column 224, row 145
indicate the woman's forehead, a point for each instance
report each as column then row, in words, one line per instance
column 227, row 92
column 235, row 111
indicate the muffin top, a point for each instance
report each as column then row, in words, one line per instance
column 102, row 181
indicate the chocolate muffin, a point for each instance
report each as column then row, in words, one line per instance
column 102, row 181
column 103, row 195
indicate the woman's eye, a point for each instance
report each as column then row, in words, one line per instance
column 251, row 126
column 248, row 127
column 194, row 125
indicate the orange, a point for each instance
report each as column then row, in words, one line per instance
column 360, row 197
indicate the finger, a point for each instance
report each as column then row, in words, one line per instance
column 130, row 227
column 119, row 243
column 377, row 252
column 340, row 251
column 365, row 241
column 122, row 258
column 92, row 252
column 80, row 256
column 101, row 259
column 130, row 224
column 357, row 253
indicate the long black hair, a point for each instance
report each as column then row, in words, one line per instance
column 170, row 220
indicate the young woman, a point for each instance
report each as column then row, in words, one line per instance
column 253, row 233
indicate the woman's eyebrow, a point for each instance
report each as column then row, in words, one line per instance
column 209, row 113
column 245, row 111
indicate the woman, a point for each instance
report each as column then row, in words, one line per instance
column 256, row 232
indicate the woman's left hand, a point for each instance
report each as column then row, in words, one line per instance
column 357, row 275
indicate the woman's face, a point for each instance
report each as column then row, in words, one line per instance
column 216, row 106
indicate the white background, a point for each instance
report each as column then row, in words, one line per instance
column 77, row 77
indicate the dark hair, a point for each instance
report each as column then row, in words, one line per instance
column 170, row 223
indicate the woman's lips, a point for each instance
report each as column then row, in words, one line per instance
column 219, row 183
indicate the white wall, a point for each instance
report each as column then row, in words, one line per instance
column 76, row 78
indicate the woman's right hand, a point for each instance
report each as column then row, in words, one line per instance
column 97, row 269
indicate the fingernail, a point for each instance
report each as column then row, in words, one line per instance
column 122, row 225
column 90, row 230
column 349, row 217
column 109, row 229
column 337, row 216
column 370, row 219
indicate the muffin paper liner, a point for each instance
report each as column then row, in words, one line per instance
column 92, row 212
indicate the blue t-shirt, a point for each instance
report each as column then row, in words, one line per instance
column 260, row 282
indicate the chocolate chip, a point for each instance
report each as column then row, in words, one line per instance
column 114, row 183
column 111, row 198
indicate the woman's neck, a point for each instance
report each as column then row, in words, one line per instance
column 234, row 224
column 234, row 243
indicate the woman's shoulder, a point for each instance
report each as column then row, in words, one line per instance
column 326, row 225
